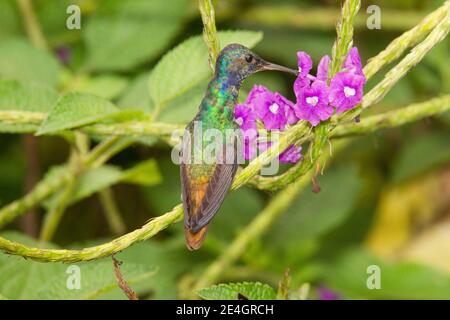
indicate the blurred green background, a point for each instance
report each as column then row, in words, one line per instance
column 385, row 199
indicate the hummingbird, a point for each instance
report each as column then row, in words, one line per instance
column 205, row 183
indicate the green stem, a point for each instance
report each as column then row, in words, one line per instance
column 32, row 26
column 414, row 57
column 209, row 30
column 111, row 211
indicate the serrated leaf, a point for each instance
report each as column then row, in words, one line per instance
column 15, row 96
column 126, row 33
column 231, row 291
column 75, row 110
column 20, row 60
column 186, row 66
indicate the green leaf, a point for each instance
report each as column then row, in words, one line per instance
column 403, row 280
column 230, row 291
column 75, row 110
column 20, row 60
column 136, row 95
column 107, row 86
column 183, row 108
column 97, row 279
column 186, row 66
column 314, row 214
column 126, row 33
column 145, row 173
column 15, row 96
column 427, row 151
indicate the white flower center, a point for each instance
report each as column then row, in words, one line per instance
column 239, row 121
column 349, row 92
column 274, row 108
column 312, row 100
column 299, row 69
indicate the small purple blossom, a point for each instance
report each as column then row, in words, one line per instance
column 346, row 90
column 244, row 117
column 304, row 64
column 353, row 62
column 325, row 293
column 322, row 68
column 312, row 103
column 291, row 154
column 269, row 107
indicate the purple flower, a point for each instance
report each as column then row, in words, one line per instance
column 269, row 107
column 250, row 144
column 346, row 90
column 322, row 69
column 244, row 117
column 304, row 64
column 312, row 103
column 326, row 294
column 291, row 154
column 353, row 62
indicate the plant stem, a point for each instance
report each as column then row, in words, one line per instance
column 32, row 26
column 414, row 57
column 209, row 30
column 111, row 211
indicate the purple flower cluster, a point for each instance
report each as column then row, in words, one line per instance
column 318, row 97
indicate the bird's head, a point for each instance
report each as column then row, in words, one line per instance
column 239, row 62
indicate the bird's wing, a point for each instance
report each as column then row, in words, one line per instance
column 204, row 187
column 202, row 196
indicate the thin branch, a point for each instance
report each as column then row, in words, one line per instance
column 32, row 25
column 121, row 282
column 112, row 212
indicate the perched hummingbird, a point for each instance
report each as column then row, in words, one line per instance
column 204, row 184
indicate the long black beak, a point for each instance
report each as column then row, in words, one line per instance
column 272, row 66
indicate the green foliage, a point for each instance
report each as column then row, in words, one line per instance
column 15, row 96
column 231, row 291
column 120, row 69
column 401, row 280
column 146, row 267
column 312, row 215
column 124, row 34
column 411, row 160
column 78, row 109
column 20, row 60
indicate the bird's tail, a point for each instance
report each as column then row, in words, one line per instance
column 194, row 240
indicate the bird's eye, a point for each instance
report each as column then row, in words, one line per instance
column 248, row 58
